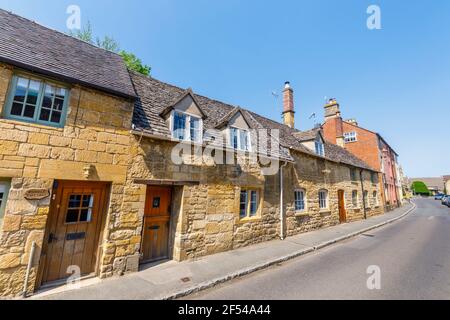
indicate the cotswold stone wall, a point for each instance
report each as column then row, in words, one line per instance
column 96, row 139
column 314, row 174
column 206, row 217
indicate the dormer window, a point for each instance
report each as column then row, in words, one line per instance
column 240, row 139
column 320, row 149
column 187, row 127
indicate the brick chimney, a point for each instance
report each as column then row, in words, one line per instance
column 333, row 127
column 288, row 106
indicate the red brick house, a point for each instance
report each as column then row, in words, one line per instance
column 367, row 145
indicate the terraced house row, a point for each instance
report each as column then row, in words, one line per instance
column 103, row 169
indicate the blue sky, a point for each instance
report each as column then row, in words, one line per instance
column 395, row 81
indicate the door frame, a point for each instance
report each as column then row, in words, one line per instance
column 169, row 253
column 55, row 199
column 341, row 207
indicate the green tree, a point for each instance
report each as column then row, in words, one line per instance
column 134, row 63
column 419, row 187
column 108, row 43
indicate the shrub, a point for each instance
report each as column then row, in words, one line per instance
column 421, row 188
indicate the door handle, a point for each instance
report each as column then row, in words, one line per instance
column 52, row 238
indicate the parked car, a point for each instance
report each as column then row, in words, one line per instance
column 439, row 196
column 447, row 201
column 444, row 199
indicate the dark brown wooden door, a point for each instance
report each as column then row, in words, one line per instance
column 342, row 211
column 155, row 242
column 74, row 229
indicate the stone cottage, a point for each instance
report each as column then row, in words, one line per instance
column 102, row 169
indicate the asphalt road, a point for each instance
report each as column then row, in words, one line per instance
column 413, row 256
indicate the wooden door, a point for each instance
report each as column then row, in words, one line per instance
column 155, row 238
column 73, row 231
column 342, row 211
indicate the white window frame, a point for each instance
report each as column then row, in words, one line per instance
column 321, row 200
column 350, row 137
column 248, row 201
column 187, row 127
column 239, row 142
column 319, row 147
column 303, row 200
column 357, row 199
column 375, row 198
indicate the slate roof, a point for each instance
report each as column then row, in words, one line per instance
column 28, row 45
column 155, row 96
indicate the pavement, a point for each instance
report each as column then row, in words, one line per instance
column 171, row 280
column 407, row 260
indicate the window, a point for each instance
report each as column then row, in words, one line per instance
column 187, row 127
column 375, row 198
column 37, row 101
column 320, row 150
column 350, row 137
column 323, row 199
column 353, row 175
column 4, row 190
column 239, row 139
column 355, row 199
column 366, row 199
column 373, row 177
column 299, row 200
column 249, row 203
column 79, row 208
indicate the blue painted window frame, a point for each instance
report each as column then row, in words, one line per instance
column 43, row 82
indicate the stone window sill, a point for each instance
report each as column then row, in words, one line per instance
column 31, row 124
column 325, row 211
column 249, row 219
column 301, row 214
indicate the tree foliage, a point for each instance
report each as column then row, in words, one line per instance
column 419, row 187
column 108, row 43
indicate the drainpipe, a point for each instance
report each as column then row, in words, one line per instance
column 282, row 235
column 363, row 192
column 30, row 265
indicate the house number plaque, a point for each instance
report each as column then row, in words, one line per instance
column 36, row 194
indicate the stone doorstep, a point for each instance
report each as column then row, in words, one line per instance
column 239, row 273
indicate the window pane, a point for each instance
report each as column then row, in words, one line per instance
column 29, row 111
column 179, row 126
column 56, row 117
column 243, row 204
column 21, row 89
column 299, row 201
column 85, row 215
column 16, row 109
column 45, row 114
column 75, row 201
column 195, row 130
column 234, row 138
column 253, row 203
column 323, row 200
column 72, row 216
column 58, row 104
column 244, row 137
